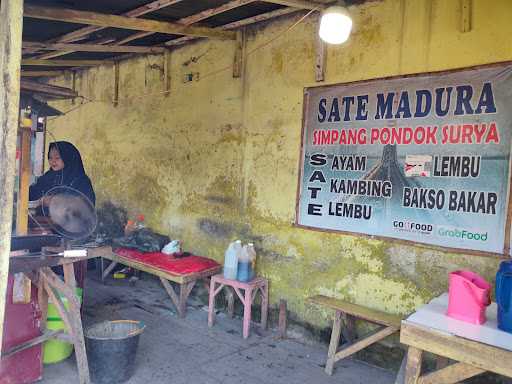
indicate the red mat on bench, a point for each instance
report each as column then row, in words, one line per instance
column 179, row 266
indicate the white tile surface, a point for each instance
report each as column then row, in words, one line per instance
column 433, row 315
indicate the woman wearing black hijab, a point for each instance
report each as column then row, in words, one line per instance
column 66, row 169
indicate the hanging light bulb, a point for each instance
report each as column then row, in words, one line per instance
column 335, row 25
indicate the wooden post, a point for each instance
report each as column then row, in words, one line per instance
column 282, row 319
column 230, row 296
column 334, row 343
column 73, row 74
column 321, row 58
column 116, row 83
column 24, row 181
column 167, row 72
column 238, row 63
column 11, row 14
column 466, row 16
column 413, row 367
column 22, row 288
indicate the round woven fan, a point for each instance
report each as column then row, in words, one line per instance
column 71, row 213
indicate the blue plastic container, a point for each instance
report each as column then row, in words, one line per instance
column 504, row 296
column 245, row 271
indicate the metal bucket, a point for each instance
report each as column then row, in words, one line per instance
column 111, row 349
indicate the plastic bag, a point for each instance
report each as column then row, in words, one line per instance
column 172, row 247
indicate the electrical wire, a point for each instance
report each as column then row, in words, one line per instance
column 37, row 222
column 83, row 103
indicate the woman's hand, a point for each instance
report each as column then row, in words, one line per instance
column 45, row 200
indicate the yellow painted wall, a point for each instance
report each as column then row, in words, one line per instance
column 218, row 159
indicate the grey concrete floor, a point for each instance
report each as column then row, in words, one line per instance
column 174, row 350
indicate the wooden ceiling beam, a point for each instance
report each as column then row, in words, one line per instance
column 91, row 48
column 135, row 36
column 84, row 32
column 194, row 19
column 207, row 13
column 42, row 73
column 65, row 63
column 238, row 24
column 52, row 90
column 184, row 21
column 139, row 11
column 201, row 16
column 51, row 55
column 259, row 18
column 300, row 4
column 123, row 22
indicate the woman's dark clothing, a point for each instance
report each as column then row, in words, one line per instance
column 72, row 175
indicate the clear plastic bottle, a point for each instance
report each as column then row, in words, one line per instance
column 231, row 259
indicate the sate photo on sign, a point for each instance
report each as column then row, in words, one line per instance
column 422, row 158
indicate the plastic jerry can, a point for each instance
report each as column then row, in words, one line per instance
column 245, row 272
column 504, row 296
column 246, row 263
column 231, row 259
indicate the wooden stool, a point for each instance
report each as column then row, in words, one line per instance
column 251, row 289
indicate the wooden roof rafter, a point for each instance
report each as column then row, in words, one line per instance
column 123, row 22
column 293, row 6
column 47, row 89
column 300, row 4
column 92, row 47
column 104, row 21
column 189, row 20
column 238, row 24
column 212, row 12
column 85, row 32
column 42, row 73
column 65, row 63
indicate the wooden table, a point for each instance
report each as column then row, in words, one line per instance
column 38, row 269
column 428, row 329
column 185, row 281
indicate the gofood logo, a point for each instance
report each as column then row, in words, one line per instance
column 462, row 234
column 410, row 226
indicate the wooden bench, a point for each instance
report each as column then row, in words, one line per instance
column 185, row 281
column 349, row 312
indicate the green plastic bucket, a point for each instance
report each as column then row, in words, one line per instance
column 56, row 350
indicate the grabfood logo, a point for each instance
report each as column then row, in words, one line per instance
column 462, row 234
column 410, row 226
